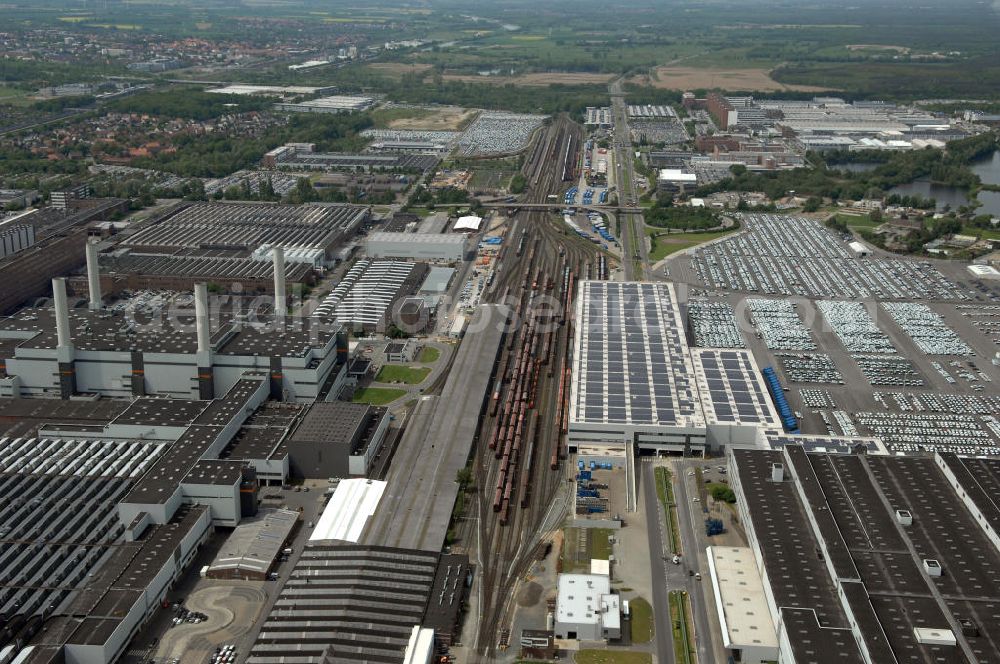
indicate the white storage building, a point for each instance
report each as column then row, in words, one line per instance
column 858, row 249
column 586, row 609
column 418, row 246
column 748, row 632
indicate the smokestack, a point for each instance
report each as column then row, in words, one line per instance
column 93, row 276
column 62, row 313
column 201, row 317
column 280, row 303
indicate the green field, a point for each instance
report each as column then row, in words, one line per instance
column 665, row 491
column 981, row 233
column 680, row 626
column 858, row 222
column 678, row 241
column 392, row 373
column 642, row 620
column 574, row 558
column 612, row 657
column 377, row 396
column 600, row 548
column 429, row 354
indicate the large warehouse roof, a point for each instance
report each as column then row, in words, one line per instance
column 417, row 238
column 877, row 521
column 740, row 598
column 347, row 603
column 730, row 390
column 246, row 226
column 366, row 292
column 255, row 543
column 348, row 511
column 630, row 358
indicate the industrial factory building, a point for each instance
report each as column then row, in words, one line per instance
column 147, row 487
column 419, row 246
column 239, row 227
column 57, row 249
column 586, row 609
column 675, row 180
column 334, row 104
column 271, row 90
column 337, row 439
column 304, row 156
column 229, row 245
column 56, row 352
column 860, row 557
column 347, row 602
column 368, row 295
column 638, row 383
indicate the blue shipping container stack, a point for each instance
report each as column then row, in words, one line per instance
column 778, row 395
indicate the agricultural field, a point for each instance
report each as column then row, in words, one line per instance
column 540, row 79
column 443, row 118
column 399, row 69
column 699, row 78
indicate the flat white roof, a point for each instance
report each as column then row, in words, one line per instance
column 420, row 648
column 677, row 175
column 263, row 90
column 338, row 101
column 602, row 567
column 470, row 223
column 739, row 599
column 984, row 271
column 579, row 599
column 857, row 246
column 348, row 511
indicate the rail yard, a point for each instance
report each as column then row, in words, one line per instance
column 520, row 462
column 486, row 410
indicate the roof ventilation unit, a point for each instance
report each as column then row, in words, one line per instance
column 904, row 517
column 930, row 636
column 933, row 567
column 777, row 472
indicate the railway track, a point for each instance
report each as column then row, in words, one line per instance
column 519, row 465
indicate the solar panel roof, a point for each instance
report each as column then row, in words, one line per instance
column 631, row 360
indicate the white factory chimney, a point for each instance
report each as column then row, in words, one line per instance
column 62, row 314
column 201, row 317
column 280, row 302
column 93, row 276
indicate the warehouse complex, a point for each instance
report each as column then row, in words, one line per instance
column 365, row 297
column 453, row 247
column 864, row 558
column 228, row 244
column 62, row 353
column 637, row 381
column 334, row 104
column 304, row 156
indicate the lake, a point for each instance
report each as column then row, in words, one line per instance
column 988, row 170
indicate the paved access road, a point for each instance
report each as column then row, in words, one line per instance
column 692, row 520
column 635, row 253
column 660, row 561
column 668, row 576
